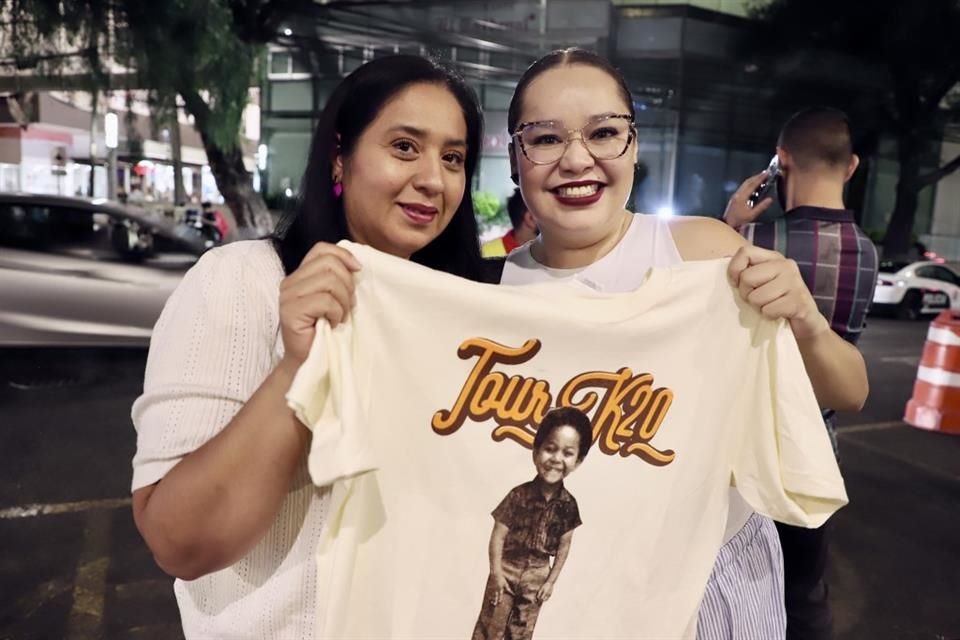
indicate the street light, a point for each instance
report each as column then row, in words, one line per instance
column 111, row 130
column 665, row 211
column 262, row 153
column 111, row 135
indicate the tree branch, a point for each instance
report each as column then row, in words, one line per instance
column 940, row 89
column 935, row 176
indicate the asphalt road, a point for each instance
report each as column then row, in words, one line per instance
column 72, row 565
column 896, row 551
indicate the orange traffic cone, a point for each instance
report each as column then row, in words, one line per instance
column 935, row 404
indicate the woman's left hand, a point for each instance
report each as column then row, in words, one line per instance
column 772, row 284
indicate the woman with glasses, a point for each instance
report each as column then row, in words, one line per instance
column 573, row 154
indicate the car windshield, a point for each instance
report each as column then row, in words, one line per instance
column 892, row 266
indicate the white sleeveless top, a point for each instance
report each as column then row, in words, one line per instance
column 647, row 243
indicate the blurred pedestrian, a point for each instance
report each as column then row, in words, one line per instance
column 221, row 491
column 838, row 263
column 215, row 216
column 524, row 229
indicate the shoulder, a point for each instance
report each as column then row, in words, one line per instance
column 567, row 497
column 701, row 238
column 258, row 255
column 247, row 262
column 240, row 278
column 569, row 511
column 521, row 494
column 521, row 256
column 523, row 489
column 866, row 243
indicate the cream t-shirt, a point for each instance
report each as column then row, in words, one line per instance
column 423, row 408
column 647, row 243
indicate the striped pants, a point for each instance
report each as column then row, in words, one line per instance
column 744, row 596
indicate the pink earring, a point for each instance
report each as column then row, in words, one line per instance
column 337, row 189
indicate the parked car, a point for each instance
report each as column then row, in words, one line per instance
column 82, row 272
column 913, row 289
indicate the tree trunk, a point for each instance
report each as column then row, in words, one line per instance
column 91, row 184
column 251, row 218
column 176, row 154
column 857, row 190
column 898, row 243
column 249, row 210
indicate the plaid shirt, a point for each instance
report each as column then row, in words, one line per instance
column 837, row 260
column 535, row 525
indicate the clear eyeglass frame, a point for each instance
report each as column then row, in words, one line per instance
column 517, row 135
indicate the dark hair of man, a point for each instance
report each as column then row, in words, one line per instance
column 565, row 417
column 516, row 207
column 818, row 137
column 354, row 105
column 559, row 58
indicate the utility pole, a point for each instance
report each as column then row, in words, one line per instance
column 111, row 134
column 176, row 151
column 93, row 142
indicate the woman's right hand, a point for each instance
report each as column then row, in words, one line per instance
column 320, row 289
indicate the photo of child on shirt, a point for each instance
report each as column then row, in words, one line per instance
column 533, row 523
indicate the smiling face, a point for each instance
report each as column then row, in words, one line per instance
column 405, row 178
column 557, row 456
column 578, row 201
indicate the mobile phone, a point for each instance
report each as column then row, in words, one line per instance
column 773, row 170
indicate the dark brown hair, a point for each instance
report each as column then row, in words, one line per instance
column 559, row 58
column 353, row 106
column 565, row 417
column 818, row 136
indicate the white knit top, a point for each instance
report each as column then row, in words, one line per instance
column 215, row 342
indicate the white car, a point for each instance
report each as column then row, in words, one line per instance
column 916, row 288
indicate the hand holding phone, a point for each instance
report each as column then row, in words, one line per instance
column 773, row 170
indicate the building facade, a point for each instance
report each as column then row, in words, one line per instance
column 706, row 119
column 51, row 142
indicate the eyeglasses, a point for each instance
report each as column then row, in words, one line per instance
column 605, row 138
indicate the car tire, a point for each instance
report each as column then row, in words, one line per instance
column 911, row 305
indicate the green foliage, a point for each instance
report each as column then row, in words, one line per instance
column 175, row 46
column 897, row 60
column 486, row 205
column 490, row 212
column 204, row 56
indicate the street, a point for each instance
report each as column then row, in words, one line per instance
column 896, row 552
column 74, row 567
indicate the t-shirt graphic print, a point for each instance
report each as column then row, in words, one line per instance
column 425, row 407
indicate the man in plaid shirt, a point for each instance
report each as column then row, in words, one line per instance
column 838, row 263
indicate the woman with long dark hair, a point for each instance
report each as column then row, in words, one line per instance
column 221, row 492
